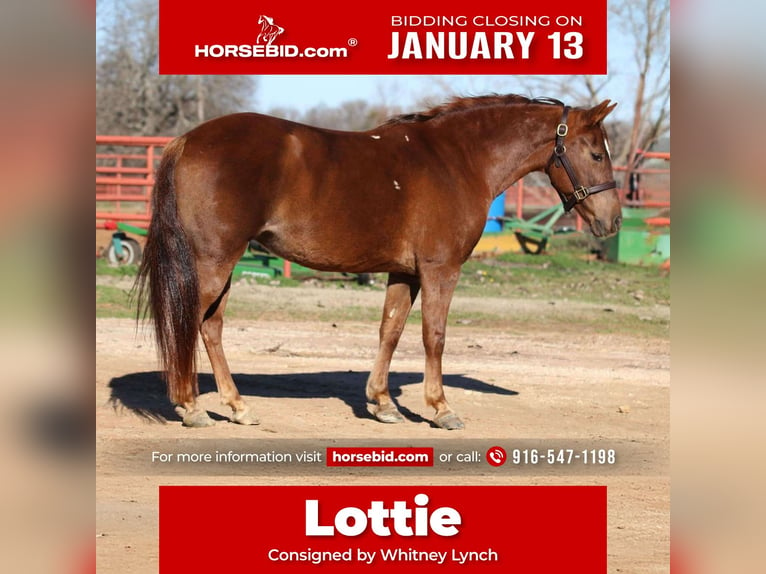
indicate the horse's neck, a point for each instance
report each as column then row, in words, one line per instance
column 508, row 143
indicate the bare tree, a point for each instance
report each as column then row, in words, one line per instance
column 133, row 99
column 645, row 26
column 648, row 24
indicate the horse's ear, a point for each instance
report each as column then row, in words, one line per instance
column 597, row 113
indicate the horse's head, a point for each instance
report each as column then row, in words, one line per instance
column 581, row 168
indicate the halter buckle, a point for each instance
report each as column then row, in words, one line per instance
column 581, row 193
column 562, row 130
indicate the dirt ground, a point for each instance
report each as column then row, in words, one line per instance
column 306, row 380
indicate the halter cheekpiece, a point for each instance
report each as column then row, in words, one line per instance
column 559, row 158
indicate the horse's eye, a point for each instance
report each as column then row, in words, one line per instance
column 597, row 156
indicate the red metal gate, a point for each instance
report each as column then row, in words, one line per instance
column 124, row 178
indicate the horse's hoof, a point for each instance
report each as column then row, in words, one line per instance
column 388, row 414
column 449, row 421
column 245, row 417
column 197, row 419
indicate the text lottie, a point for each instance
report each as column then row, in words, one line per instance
column 400, row 519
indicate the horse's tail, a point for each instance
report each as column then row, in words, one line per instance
column 167, row 284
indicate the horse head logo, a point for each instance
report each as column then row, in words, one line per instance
column 269, row 30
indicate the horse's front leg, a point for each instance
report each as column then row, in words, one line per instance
column 438, row 287
column 400, row 295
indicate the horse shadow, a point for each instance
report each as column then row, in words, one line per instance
column 144, row 393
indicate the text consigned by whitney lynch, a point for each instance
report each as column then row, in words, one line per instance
column 384, row 555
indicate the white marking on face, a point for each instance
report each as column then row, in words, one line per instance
column 375, row 137
column 606, row 146
column 406, row 137
column 396, row 185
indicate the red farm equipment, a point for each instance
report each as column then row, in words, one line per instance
column 124, row 180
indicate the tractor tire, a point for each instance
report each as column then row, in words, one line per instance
column 131, row 253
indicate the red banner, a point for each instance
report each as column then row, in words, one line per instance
column 445, row 529
column 270, row 37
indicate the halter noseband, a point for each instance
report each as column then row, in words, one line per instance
column 559, row 158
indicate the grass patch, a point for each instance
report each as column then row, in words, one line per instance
column 278, row 281
column 561, row 320
column 567, row 273
column 103, row 268
column 114, row 302
column 248, row 311
column 625, row 297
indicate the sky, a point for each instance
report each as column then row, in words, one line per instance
column 408, row 92
column 306, row 91
column 303, row 92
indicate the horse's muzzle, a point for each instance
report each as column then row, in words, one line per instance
column 600, row 229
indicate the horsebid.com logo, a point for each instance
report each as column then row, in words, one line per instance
column 265, row 47
column 269, row 30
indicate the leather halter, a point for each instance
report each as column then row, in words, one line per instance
column 559, row 158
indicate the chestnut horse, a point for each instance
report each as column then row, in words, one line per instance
column 409, row 198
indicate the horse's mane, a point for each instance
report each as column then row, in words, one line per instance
column 460, row 104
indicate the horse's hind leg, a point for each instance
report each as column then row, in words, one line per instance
column 211, row 328
column 400, row 295
column 438, row 286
